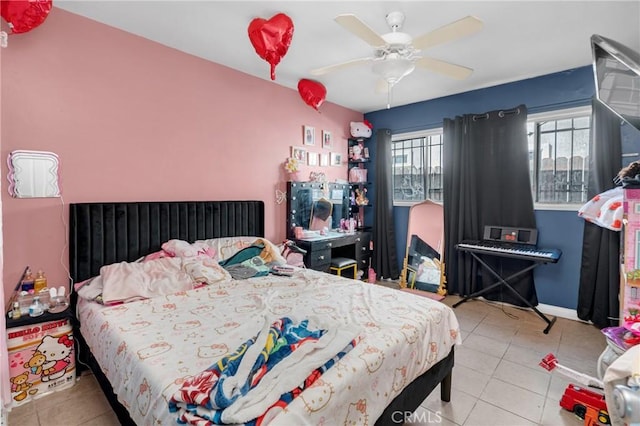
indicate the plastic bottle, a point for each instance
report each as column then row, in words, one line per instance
column 16, row 313
column 36, row 308
column 40, row 283
column 27, row 281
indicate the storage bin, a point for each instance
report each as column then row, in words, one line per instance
column 357, row 175
column 41, row 356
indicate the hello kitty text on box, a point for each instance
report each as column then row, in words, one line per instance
column 41, row 359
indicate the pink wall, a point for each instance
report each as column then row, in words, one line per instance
column 5, row 394
column 132, row 120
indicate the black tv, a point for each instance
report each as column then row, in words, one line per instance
column 616, row 69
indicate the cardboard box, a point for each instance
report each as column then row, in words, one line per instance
column 41, row 358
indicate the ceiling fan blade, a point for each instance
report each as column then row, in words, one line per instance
column 335, row 67
column 358, row 28
column 453, row 31
column 450, row 70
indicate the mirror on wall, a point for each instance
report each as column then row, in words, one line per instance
column 321, row 215
column 33, row 174
column 315, row 205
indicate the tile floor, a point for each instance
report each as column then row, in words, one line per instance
column 496, row 378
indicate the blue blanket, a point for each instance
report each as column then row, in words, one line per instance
column 204, row 399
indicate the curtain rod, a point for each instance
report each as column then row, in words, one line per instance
column 531, row 110
column 501, row 114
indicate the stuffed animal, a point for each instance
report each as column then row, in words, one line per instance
column 361, row 199
column 361, row 129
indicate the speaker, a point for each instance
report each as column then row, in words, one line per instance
column 511, row 235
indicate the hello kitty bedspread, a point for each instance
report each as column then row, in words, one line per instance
column 148, row 348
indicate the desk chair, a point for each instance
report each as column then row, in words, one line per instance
column 339, row 264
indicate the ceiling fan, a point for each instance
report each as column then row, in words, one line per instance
column 396, row 54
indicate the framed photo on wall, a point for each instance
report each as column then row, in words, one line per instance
column 309, row 135
column 299, row 154
column 336, row 159
column 327, row 142
column 324, row 160
column 312, row 158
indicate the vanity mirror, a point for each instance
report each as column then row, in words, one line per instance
column 321, row 215
column 315, row 205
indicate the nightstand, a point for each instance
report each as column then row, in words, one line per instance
column 41, row 355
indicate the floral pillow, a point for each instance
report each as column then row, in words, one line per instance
column 227, row 246
column 180, row 248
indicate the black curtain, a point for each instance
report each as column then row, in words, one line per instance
column 600, row 268
column 486, row 182
column 385, row 258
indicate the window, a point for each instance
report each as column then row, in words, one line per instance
column 559, row 156
column 558, row 144
column 417, row 166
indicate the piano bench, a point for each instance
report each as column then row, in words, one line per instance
column 339, row 264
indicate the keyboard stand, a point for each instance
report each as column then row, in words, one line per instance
column 505, row 282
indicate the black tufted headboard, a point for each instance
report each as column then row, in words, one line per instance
column 104, row 233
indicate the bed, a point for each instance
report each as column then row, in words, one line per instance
column 405, row 344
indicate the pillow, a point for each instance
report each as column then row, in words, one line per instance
column 180, row 248
column 226, row 247
column 605, row 209
column 155, row 255
column 90, row 289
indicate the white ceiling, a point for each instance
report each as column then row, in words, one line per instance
column 520, row 39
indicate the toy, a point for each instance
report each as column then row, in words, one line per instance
column 361, row 200
column 584, row 403
column 361, row 129
column 356, row 152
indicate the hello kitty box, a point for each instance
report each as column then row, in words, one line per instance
column 41, row 357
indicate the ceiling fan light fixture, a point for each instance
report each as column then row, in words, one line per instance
column 393, row 70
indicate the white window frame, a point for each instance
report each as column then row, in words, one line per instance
column 559, row 114
column 414, row 135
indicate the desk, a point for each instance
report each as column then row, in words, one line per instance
column 320, row 250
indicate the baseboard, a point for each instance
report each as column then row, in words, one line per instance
column 551, row 310
column 558, row 311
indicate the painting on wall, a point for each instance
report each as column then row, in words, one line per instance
column 326, row 139
column 312, row 158
column 336, row 159
column 324, row 160
column 299, row 154
column 309, row 134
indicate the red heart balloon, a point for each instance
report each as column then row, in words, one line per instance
column 271, row 38
column 312, row 92
column 23, row 16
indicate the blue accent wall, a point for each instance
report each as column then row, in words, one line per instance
column 556, row 284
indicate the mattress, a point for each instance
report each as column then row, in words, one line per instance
column 148, row 348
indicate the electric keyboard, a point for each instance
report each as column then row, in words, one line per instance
column 513, row 250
